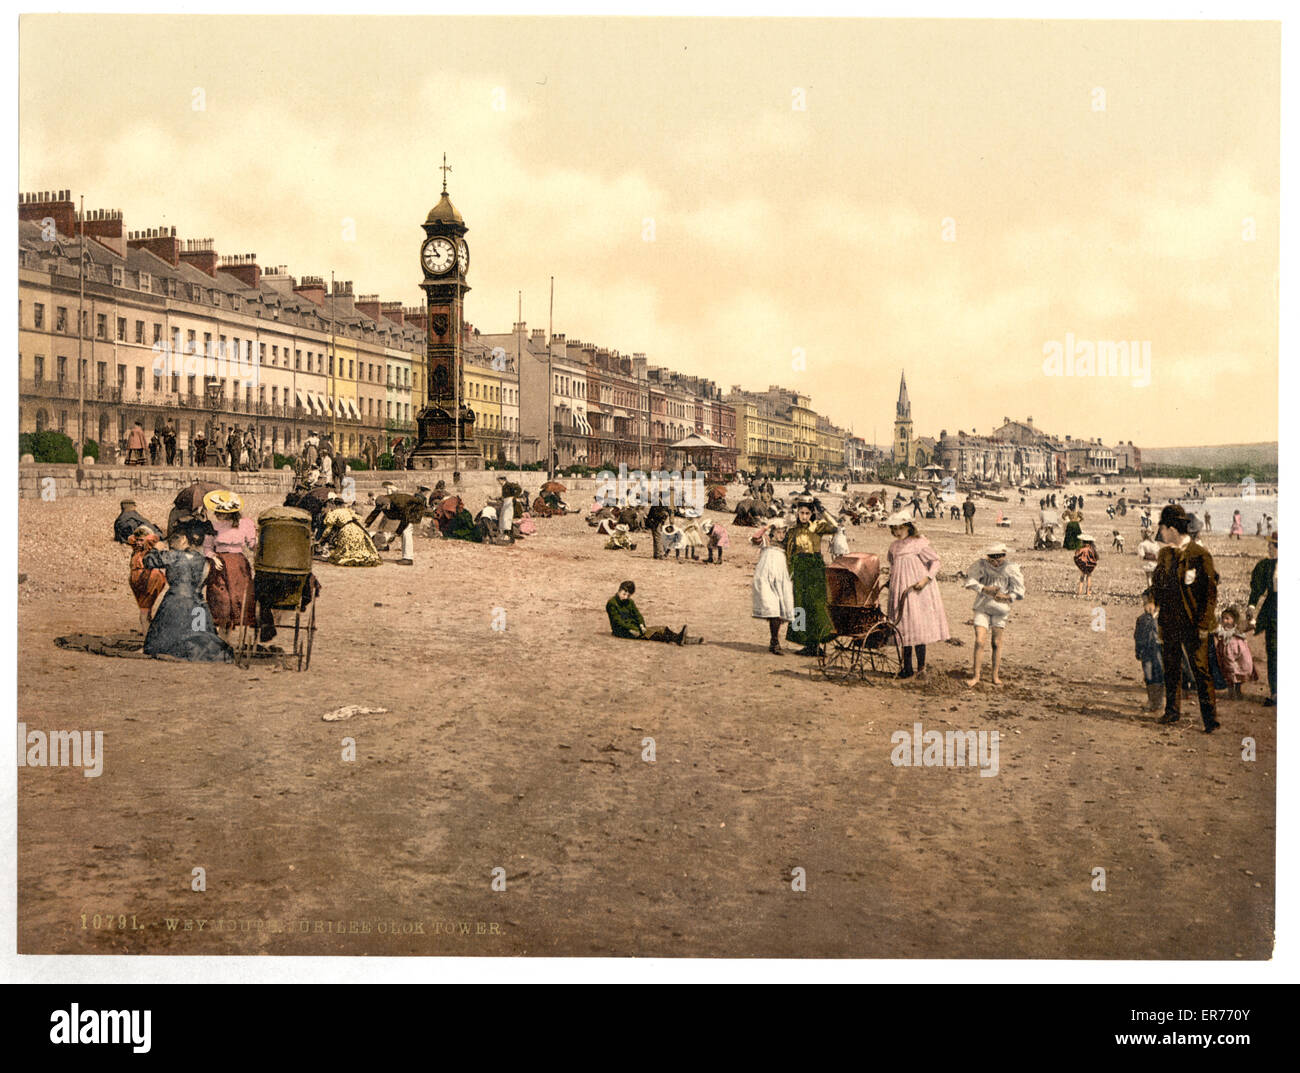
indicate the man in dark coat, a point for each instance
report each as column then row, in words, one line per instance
column 169, row 443
column 406, row 510
column 968, row 512
column 129, row 520
column 1263, row 591
column 1186, row 587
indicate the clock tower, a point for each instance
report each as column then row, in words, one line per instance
column 445, row 423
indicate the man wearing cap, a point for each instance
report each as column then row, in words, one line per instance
column 997, row 584
column 404, row 509
column 968, row 512
column 129, row 521
column 1186, row 586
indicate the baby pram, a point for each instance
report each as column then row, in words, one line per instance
column 1045, row 538
column 865, row 640
column 283, row 584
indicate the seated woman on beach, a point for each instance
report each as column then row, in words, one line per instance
column 345, row 539
column 182, row 627
column 146, row 584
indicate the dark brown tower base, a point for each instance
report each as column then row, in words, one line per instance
column 437, row 448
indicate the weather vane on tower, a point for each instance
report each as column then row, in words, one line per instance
column 445, row 168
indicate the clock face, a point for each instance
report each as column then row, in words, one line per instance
column 438, row 256
column 462, row 256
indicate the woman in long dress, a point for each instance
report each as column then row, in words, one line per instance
column 182, row 627
column 803, row 550
column 915, row 606
column 230, row 582
column 773, row 590
column 348, row 542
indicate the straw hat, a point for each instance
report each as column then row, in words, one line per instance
column 707, row 525
column 221, row 502
column 620, row 528
column 995, row 549
column 670, row 530
column 899, row 517
column 1085, row 538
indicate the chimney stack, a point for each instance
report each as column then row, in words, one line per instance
column 53, row 204
column 105, row 227
column 312, row 288
column 160, row 241
column 243, row 267
column 393, row 311
column 417, row 317
column 368, row 305
column 201, row 253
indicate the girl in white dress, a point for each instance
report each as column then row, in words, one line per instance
column 773, row 589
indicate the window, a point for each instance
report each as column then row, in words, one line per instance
column 121, row 329
column 61, row 367
column 157, row 332
column 176, row 383
column 145, row 281
column 38, row 315
column 101, row 373
column 38, row 367
column 139, row 378
column 351, row 376
column 61, row 319
column 297, row 359
column 189, row 385
column 275, row 355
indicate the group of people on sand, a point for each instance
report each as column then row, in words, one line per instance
column 201, row 572
column 789, row 589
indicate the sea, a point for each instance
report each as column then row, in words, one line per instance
column 1253, row 509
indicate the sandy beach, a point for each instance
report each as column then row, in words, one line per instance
column 521, row 749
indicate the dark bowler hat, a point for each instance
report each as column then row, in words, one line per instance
column 1174, row 516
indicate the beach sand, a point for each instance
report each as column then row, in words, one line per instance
column 521, row 749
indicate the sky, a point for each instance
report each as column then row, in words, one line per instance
column 820, row 204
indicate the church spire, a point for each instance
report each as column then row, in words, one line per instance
column 904, row 404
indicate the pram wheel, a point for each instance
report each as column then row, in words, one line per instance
column 303, row 635
column 882, row 650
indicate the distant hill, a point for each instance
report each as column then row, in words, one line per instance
column 1255, row 454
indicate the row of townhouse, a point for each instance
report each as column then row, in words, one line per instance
column 157, row 329
column 154, row 329
column 1019, row 453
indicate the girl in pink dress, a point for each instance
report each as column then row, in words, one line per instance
column 1235, row 531
column 915, row 606
column 230, row 581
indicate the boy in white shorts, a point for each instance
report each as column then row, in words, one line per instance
column 997, row 584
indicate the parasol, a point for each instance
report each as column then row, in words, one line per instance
column 553, row 486
column 191, row 498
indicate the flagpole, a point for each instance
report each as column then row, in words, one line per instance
column 550, row 424
column 81, row 318
column 519, row 365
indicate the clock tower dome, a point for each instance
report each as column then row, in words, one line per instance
column 445, row 423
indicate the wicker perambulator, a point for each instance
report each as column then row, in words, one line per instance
column 865, row 640
column 283, row 584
